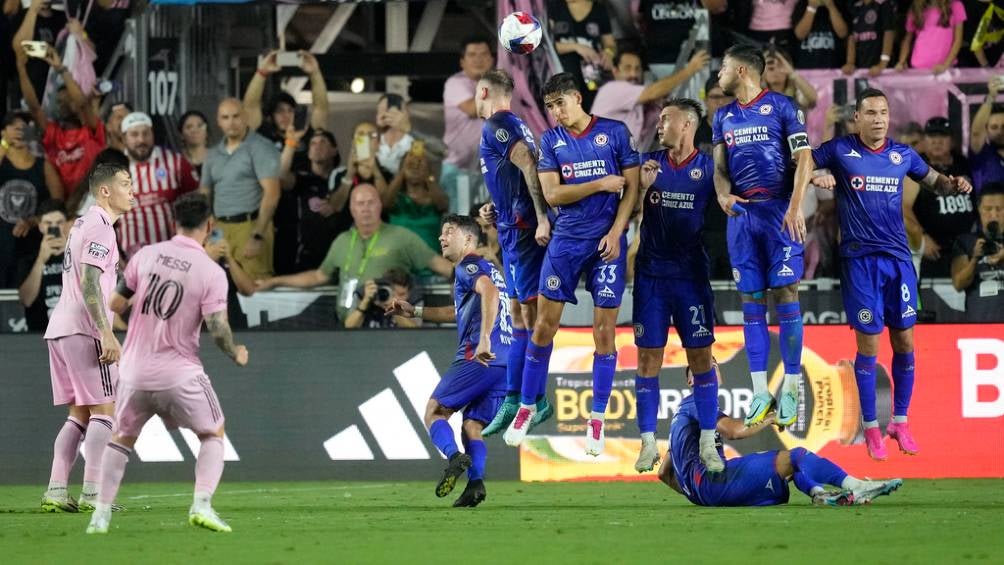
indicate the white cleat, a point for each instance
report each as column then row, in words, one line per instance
column 58, row 501
column 594, row 437
column 100, row 521
column 711, row 459
column 520, row 425
column 648, row 457
column 870, row 490
column 207, row 518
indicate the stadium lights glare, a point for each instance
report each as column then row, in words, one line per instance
column 357, row 85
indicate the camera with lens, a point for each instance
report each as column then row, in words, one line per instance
column 992, row 236
column 384, row 291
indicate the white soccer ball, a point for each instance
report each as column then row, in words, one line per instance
column 520, row 33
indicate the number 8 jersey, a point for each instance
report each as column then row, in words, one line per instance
column 173, row 285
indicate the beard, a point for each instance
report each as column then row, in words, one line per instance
column 139, row 153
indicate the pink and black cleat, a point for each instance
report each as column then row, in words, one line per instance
column 901, row 433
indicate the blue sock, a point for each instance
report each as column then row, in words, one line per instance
column 535, row 366
column 790, row 319
column 864, row 373
column 804, row 483
column 479, row 454
column 706, row 399
column 755, row 332
column 646, row 391
column 816, row 469
column 902, row 382
column 442, row 436
column 604, row 366
column 517, row 355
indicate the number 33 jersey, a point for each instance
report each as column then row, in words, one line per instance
column 175, row 284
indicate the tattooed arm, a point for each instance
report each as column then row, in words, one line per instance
column 219, row 328
column 90, row 288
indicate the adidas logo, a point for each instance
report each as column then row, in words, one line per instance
column 853, row 153
column 607, row 292
column 387, row 420
column 701, row 332
column 155, row 444
column 560, row 143
column 909, row 312
column 785, row 272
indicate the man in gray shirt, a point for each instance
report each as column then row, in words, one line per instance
column 242, row 176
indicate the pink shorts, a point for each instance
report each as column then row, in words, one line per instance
column 192, row 404
column 77, row 376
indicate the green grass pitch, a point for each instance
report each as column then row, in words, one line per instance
column 945, row 521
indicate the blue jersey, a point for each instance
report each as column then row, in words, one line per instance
column 467, row 302
column 685, row 446
column 673, row 207
column 869, row 193
column 603, row 148
column 505, row 181
column 760, row 138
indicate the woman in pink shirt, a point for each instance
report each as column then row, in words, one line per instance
column 934, row 27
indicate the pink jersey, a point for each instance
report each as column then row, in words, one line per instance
column 176, row 285
column 91, row 242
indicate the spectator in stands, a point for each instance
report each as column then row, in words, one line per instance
column 934, row 29
column 374, row 297
column 238, row 282
column 872, row 35
column 242, row 175
column 820, row 31
column 714, row 219
column 488, row 243
column 912, row 134
column 194, row 129
column 414, row 198
column 628, row 100
column 666, row 27
column 40, row 23
column 310, row 185
column 714, row 98
column 113, row 125
column 839, row 121
column 159, row 176
column 986, row 140
column 40, row 276
column 780, row 76
column 362, row 168
column 26, row 181
column 392, row 120
column 978, row 262
column 365, row 252
column 989, row 46
column 940, row 218
column 584, row 41
column 462, row 134
column 74, row 135
column 771, row 23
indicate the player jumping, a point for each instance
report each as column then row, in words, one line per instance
column 585, row 163
column 755, row 139
column 83, row 350
column 878, row 283
column 509, row 166
column 671, row 276
column 475, row 382
column 175, row 286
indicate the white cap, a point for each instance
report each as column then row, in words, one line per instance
column 136, row 119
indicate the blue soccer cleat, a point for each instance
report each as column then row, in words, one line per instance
column 759, row 407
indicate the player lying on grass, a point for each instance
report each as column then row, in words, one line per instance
column 759, row 479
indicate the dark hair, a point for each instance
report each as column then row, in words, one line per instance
column 184, row 118
column 499, row 79
column 560, row 84
column 111, row 108
column 281, row 98
column 399, row 277
column 51, row 205
column 104, row 172
column 711, row 83
column 191, row 210
column 16, row 115
column 910, row 128
column 111, row 156
column 629, row 51
column 687, row 105
column 474, row 40
column 326, row 135
column 749, row 55
column 868, row 93
column 997, row 109
column 991, row 189
column 466, row 223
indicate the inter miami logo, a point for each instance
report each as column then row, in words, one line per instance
column 502, row 135
column 566, row 171
column 870, row 17
column 601, row 139
column 858, row 182
column 865, row 316
column 895, row 158
column 696, row 174
column 553, row 282
column 766, row 109
column 729, row 140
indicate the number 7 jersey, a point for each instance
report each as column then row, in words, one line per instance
column 175, row 284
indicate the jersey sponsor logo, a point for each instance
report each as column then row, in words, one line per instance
column 742, row 136
column 654, row 196
column 798, row 142
column 502, row 135
column 852, row 153
column 895, row 158
column 858, row 182
column 584, row 169
column 729, row 139
column 875, row 184
column 766, row 109
column 606, row 292
column 670, row 199
column 566, row 170
column 736, row 275
column 601, row 139
column 800, row 116
column 471, row 268
column 161, row 173
column 909, row 312
column 560, row 143
column 785, row 271
column 871, row 16
column 865, row 316
column 553, row 282
column 701, row 332
column 95, row 249
column 639, row 330
column 696, row 174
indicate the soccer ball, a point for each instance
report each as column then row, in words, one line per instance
column 520, row 33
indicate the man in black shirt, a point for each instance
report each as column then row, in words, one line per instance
column 714, row 218
column 820, row 29
column 40, row 278
column 307, row 186
column 978, row 262
column 872, row 35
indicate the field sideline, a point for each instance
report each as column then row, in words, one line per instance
column 944, row 521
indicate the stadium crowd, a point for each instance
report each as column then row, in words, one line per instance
column 295, row 207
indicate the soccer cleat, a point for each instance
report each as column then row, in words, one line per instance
column 459, row 463
column 873, row 440
column 544, row 413
column 207, row 518
column 594, row 437
column 99, row 522
column 473, row 495
column 520, row 425
column 787, row 408
column 870, row 490
column 901, row 433
column 648, row 457
column 87, row 502
column 759, row 407
column 711, row 459
column 835, row 498
column 58, row 502
column 506, row 412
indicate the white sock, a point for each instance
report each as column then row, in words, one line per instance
column 816, row 490
column 597, row 416
column 899, row 419
column 851, row 483
column 791, row 383
column 56, row 486
column 707, row 437
column 102, row 508
column 759, row 381
column 871, row 424
column 90, row 489
column 647, row 438
column 202, row 501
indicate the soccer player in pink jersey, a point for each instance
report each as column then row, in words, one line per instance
column 83, row 350
column 174, row 287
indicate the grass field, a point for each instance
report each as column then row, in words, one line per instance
column 947, row 521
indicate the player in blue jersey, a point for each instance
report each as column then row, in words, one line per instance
column 755, row 139
column 509, row 166
column 588, row 170
column 671, row 276
column 758, row 479
column 475, row 382
column 878, row 282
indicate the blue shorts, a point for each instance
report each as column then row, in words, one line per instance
column 473, row 388
column 763, row 255
column 521, row 261
column 750, row 480
column 565, row 262
column 879, row 291
column 688, row 303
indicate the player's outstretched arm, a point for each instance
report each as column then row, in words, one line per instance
column 978, row 129
column 723, row 182
column 558, row 194
column 436, row 314
column 526, row 161
column 734, row 428
column 945, row 185
column 306, row 279
column 219, row 328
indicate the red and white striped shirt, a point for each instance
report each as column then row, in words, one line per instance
column 160, row 179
